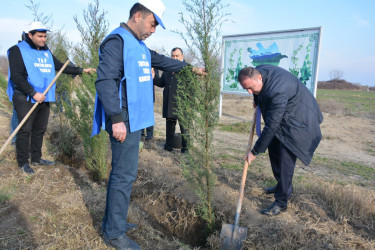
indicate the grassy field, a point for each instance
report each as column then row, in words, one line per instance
column 347, row 102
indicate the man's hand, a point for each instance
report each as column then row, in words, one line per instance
column 153, row 73
column 39, row 97
column 119, row 131
column 249, row 157
column 89, row 70
column 199, row 71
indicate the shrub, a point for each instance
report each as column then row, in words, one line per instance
column 80, row 111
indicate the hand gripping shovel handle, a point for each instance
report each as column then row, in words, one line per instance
column 244, row 173
column 33, row 108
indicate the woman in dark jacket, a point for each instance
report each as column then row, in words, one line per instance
column 292, row 125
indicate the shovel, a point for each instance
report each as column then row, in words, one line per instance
column 232, row 236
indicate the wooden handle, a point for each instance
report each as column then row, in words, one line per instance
column 244, row 172
column 33, row 108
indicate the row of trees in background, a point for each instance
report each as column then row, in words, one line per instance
column 337, row 82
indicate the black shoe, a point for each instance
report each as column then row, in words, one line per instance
column 271, row 190
column 147, row 138
column 26, row 168
column 43, row 163
column 168, row 148
column 184, row 151
column 122, row 243
column 274, row 209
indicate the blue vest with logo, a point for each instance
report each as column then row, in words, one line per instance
column 40, row 70
column 139, row 85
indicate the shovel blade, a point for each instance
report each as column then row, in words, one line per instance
column 232, row 237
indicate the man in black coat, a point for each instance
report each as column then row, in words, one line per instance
column 292, row 125
column 169, row 82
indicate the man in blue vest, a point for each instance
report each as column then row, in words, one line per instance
column 124, row 106
column 31, row 69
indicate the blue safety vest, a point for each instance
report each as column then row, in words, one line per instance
column 139, row 86
column 40, row 70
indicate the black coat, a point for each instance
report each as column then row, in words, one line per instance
column 169, row 82
column 290, row 112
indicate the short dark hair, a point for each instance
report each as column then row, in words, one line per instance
column 247, row 72
column 139, row 8
column 32, row 32
column 177, row 48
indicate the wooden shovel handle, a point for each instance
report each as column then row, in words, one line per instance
column 244, row 172
column 33, row 108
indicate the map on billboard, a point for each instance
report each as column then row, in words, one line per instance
column 294, row 50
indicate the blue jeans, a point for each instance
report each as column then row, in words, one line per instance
column 121, row 179
column 14, row 124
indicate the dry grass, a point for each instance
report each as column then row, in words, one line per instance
column 349, row 204
column 61, row 208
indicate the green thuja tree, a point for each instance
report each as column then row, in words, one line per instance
column 60, row 46
column 198, row 98
column 81, row 107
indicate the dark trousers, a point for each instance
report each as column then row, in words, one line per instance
column 283, row 163
column 29, row 139
column 149, row 132
column 13, row 124
column 170, row 131
column 121, row 179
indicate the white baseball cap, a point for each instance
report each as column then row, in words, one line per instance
column 37, row 26
column 156, row 7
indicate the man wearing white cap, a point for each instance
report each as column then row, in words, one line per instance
column 124, row 103
column 31, row 69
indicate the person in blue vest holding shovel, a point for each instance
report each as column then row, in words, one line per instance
column 124, row 106
column 31, row 69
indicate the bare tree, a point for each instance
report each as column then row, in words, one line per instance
column 4, row 64
column 39, row 16
column 189, row 57
column 335, row 74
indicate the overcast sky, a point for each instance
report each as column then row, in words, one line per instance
column 348, row 26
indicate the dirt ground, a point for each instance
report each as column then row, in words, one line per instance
column 61, row 208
